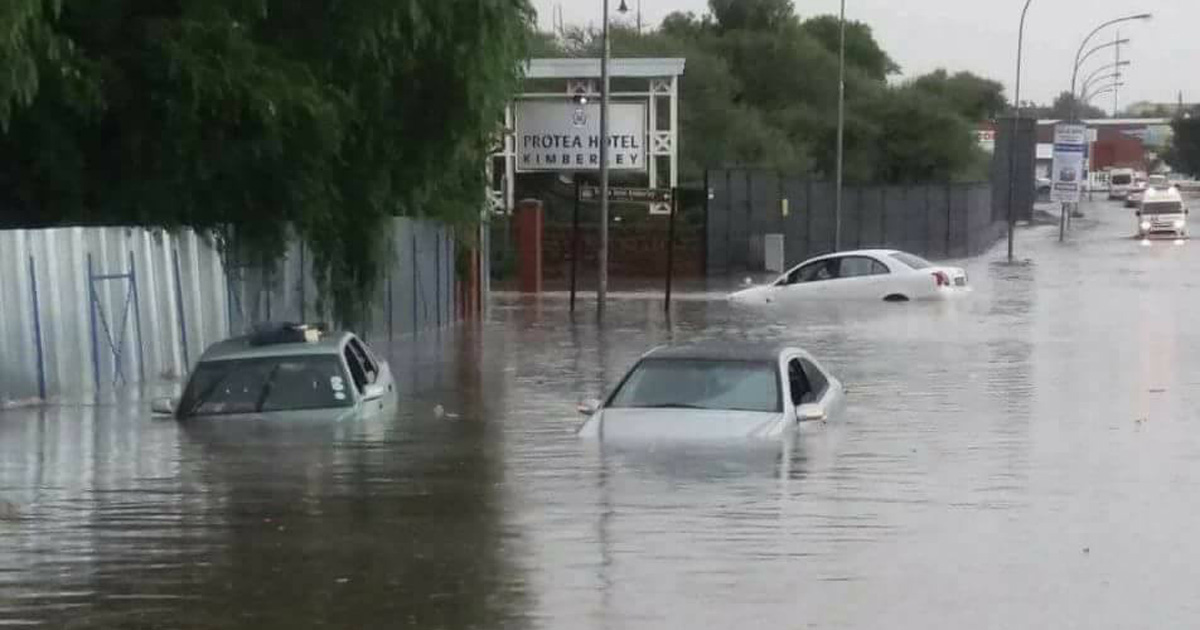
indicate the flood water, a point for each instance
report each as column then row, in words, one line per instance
column 1026, row 457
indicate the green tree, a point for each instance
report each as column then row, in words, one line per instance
column 250, row 119
column 752, row 15
column 1060, row 109
column 1184, row 153
column 974, row 97
column 862, row 51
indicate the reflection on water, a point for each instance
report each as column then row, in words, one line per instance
column 1025, row 457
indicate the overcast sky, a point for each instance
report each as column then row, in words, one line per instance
column 981, row 36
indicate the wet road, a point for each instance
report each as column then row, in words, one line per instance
column 1028, row 457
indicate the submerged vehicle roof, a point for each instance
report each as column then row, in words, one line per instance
column 722, row 351
column 269, row 342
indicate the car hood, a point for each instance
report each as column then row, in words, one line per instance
column 682, row 425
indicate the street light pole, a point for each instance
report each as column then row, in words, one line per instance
column 1012, row 136
column 841, row 131
column 602, row 250
column 1079, row 56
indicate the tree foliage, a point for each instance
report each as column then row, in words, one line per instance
column 862, row 51
column 247, row 119
column 1184, row 153
column 1060, row 109
column 760, row 89
column 973, row 97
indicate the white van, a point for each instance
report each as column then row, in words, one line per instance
column 1162, row 211
column 1120, row 180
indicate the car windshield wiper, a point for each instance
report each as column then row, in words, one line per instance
column 674, row 406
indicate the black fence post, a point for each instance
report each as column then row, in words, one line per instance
column 37, row 331
column 575, row 244
column 671, row 247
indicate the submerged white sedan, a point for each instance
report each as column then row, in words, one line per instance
column 867, row 274
column 716, row 392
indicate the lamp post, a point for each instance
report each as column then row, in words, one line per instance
column 841, row 130
column 1012, row 137
column 1085, row 93
column 1080, row 57
column 1095, row 73
column 602, row 250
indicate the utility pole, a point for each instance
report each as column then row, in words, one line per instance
column 841, row 131
column 602, row 253
column 1117, row 88
column 1012, row 136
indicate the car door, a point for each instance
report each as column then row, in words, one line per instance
column 859, row 277
column 810, row 281
column 373, row 373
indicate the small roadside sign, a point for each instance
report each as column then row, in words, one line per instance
column 1070, row 148
column 631, row 195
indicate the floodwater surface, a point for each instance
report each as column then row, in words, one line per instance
column 1025, row 457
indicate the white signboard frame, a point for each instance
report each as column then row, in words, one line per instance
column 558, row 136
column 1070, row 149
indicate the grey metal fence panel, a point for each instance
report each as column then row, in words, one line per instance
column 821, row 225
column 795, row 228
column 153, row 301
column 938, row 220
column 959, row 210
column 938, row 229
column 871, row 216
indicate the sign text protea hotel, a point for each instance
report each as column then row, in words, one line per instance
column 565, row 136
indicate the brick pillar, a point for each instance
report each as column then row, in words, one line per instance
column 530, row 218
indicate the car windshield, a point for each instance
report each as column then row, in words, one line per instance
column 1122, row 180
column 701, row 384
column 1162, row 207
column 263, row 385
column 915, row 262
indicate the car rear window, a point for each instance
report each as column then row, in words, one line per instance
column 915, row 262
column 701, row 384
column 261, row 385
column 1122, row 180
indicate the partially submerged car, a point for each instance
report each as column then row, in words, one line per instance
column 869, row 274
column 286, row 371
column 714, row 392
column 1162, row 212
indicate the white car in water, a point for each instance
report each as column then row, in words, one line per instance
column 868, row 274
column 715, row 392
column 1162, row 212
column 286, row 372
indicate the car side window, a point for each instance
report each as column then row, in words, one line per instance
column 370, row 366
column 859, row 266
column 799, row 384
column 816, row 378
column 357, row 372
column 815, row 272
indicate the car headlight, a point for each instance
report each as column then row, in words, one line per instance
column 1179, row 223
column 1145, row 225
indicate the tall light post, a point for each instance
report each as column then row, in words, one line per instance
column 1080, row 57
column 841, row 130
column 1095, row 75
column 602, row 250
column 1012, row 136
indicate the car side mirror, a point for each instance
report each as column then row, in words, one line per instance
column 810, row 412
column 163, row 406
column 588, row 407
column 374, row 392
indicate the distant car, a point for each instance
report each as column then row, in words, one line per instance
column 868, row 274
column 286, row 371
column 716, row 391
column 1134, row 197
column 1158, row 182
column 1119, row 182
column 1162, row 212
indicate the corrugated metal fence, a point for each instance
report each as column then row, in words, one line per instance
column 935, row 220
column 89, row 311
